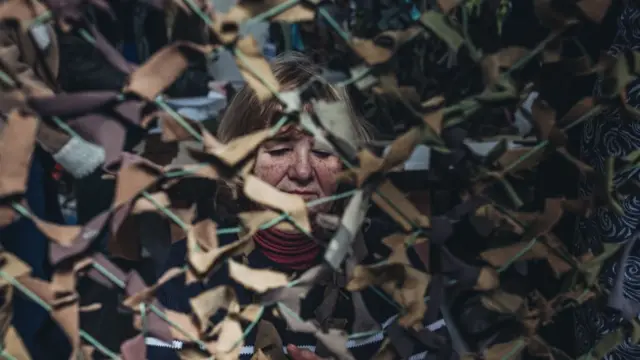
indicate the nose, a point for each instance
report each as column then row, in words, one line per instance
column 301, row 170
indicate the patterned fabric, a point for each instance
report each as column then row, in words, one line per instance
column 293, row 250
column 610, row 134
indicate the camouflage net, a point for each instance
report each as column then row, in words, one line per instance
column 491, row 200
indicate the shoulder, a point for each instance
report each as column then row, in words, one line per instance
column 376, row 226
column 374, row 230
column 176, row 293
column 178, row 252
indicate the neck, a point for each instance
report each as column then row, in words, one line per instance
column 293, row 251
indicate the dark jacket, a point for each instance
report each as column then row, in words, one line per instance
column 83, row 67
column 175, row 296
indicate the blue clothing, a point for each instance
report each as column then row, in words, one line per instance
column 609, row 134
column 175, row 295
column 130, row 52
column 415, row 13
column 296, row 38
column 23, row 239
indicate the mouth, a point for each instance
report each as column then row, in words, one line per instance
column 306, row 195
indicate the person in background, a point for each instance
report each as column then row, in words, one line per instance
column 138, row 31
column 612, row 133
column 31, row 58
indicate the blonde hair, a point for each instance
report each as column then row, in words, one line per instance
column 246, row 114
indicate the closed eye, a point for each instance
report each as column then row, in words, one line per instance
column 279, row 152
column 322, row 154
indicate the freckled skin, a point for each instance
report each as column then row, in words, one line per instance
column 294, row 165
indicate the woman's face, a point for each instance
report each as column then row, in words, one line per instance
column 294, row 164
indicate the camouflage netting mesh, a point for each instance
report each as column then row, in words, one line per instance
column 442, row 119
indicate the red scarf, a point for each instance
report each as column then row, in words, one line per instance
column 294, row 251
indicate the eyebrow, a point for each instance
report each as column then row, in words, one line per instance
column 286, row 137
column 281, row 139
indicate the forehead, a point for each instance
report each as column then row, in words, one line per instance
column 291, row 132
column 289, row 137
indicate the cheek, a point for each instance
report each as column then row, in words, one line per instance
column 269, row 169
column 327, row 171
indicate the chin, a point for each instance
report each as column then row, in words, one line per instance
column 317, row 210
column 309, row 197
